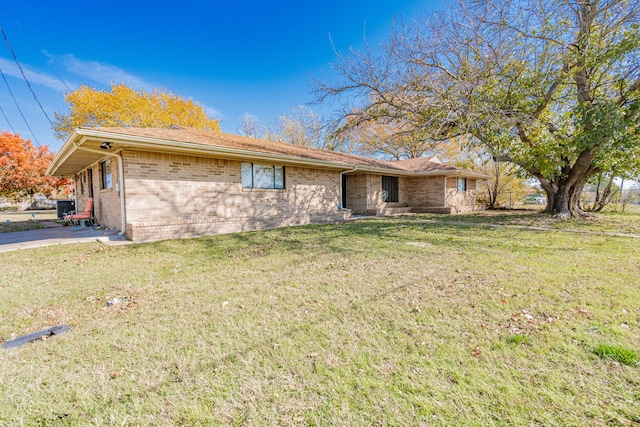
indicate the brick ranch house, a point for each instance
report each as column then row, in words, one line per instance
column 155, row 184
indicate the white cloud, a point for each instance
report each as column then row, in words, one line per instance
column 102, row 73
column 212, row 112
column 10, row 68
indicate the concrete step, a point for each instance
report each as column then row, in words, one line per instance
column 394, row 211
column 436, row 210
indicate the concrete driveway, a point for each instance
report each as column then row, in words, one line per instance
column 58, row 235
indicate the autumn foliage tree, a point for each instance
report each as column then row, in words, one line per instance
column 505, row 187
column 123, row 106
column 23, row 169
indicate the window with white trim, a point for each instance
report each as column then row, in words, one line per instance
column 256, row 175
column 105, row 174
column 462, row 184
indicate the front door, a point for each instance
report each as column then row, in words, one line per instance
column 90, row 182
column 344, row 191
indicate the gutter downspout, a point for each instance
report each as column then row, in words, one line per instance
column 445, row 191
column 340, row 186
column 120, row 180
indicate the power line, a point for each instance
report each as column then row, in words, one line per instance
column 34, row 46
column 7, row 119
column 15, row 58
column 18, row 107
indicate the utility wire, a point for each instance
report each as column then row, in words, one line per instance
column 18, row 107
column 7, row 119
column 15, row 58
column 46, row 60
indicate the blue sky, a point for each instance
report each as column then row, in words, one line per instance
column 233, row 57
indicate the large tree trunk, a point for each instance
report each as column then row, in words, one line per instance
column 492, row 189
column 562, row 197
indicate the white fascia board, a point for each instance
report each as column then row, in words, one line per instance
column 67, row 149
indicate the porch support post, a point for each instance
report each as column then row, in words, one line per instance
column 340, row 186
column 445, row 192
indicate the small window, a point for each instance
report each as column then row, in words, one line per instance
column 462, row 184
column 389, row 188
column 105, row 173
column 262, row 176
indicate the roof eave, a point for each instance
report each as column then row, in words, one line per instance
column 81, row 136
column 123, row 141
column 67, row 149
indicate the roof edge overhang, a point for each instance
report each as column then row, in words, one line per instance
column 92, row 138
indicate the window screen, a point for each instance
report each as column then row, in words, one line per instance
column 389, row 188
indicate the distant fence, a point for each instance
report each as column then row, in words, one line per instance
column 40, row 203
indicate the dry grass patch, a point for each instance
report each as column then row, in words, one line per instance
column 22, row 221
column 10, row 226
column 377, row 322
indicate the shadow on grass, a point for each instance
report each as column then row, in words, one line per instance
column 343, row 238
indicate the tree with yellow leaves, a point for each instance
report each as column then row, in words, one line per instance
column 124, row 106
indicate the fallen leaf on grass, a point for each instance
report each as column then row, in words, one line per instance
column 476, row 352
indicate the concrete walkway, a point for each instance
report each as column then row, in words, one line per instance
column 58, row 235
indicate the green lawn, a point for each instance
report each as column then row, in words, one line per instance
column 407, row 321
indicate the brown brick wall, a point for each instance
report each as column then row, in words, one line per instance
column 364, row 194
column 107, row 201
column 462, row 201
column 357, row 190
column 425, row 191
column 169, row 196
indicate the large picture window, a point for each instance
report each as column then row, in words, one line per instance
column 256, row 175
column 105, row 173
column 389, row 188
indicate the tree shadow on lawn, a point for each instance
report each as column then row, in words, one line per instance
column 344, row 238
